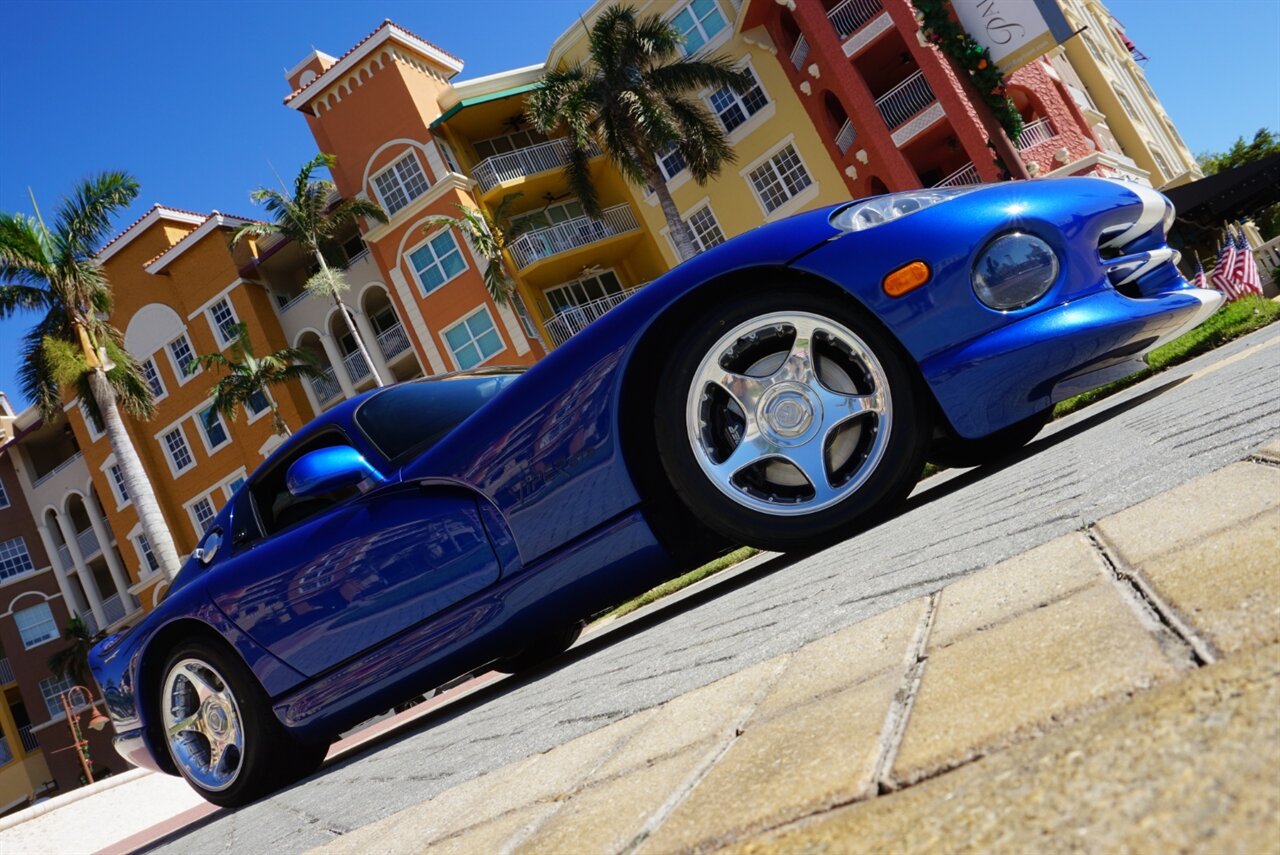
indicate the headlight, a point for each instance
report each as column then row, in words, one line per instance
column 873, row 212
column 1014, row 270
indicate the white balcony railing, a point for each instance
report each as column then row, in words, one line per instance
column 850, row 16
column 113, row 609
column 523, row 162
column 326, row 386
column 90, row 623
column 357, row 368
column 1034, row 133
column 846, row 136
column 64, row 556
column 905, row 100
column 571, row 234
column 800, row 52
column 393, row 341
column 55, row 470
column 6, row 671
column 967, row 174
column 295, row 300
column 570, row 321
column 1267, row 257
column 88, row 543
column 28, row 739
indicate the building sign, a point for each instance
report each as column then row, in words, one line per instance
column 1015, row 31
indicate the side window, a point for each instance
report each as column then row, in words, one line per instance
column 279, row 509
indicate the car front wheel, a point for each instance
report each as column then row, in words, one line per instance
column 220, row 731
column 790, row 416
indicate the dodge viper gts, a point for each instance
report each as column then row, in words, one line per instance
column 778, row 390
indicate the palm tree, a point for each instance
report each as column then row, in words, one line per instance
column 307, row 220
column 249, row 376
column 54, row 271
column 635, row 95
column 490, row 234
column 73, row 661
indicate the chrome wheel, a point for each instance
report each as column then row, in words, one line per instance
column 202, row 724
column 789, row 413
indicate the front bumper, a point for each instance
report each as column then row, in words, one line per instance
column 133, row 748
column 1036, row 361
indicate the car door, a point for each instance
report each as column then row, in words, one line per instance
column 318, row 582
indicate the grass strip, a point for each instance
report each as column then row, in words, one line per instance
column 666, row 589
column 1230, row 322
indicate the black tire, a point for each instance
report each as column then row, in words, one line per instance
column 266, row 758
column 898, row 436
column 953, row 452
column 537, row 653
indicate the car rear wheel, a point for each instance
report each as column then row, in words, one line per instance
column 220, row 731
column 790, row 417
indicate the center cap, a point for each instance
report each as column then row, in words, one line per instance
column 216, row 718
column 787, row 412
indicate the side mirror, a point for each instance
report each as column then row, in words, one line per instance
column 329, row 469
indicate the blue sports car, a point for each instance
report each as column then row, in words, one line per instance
column 779, row 390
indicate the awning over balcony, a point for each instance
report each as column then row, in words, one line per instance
column 484, row 99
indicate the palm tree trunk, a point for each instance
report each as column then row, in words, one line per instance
column 277, row 423
column 135, row 477
column 351, row 327
column 681, row 234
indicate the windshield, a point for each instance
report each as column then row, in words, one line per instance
column 412, row 417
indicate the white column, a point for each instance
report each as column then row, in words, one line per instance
column 339, row 367
column 59, row 572
column 371, row 344
column 82, row 570
column 118, row 574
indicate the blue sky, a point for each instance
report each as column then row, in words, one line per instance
column 187, row 96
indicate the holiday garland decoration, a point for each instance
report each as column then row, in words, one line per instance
column 942, row 31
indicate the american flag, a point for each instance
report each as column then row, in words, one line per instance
column 1199, row 280
column 1221, row 277
column 1244, row 272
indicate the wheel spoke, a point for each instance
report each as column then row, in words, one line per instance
column 838, row 408
column 752, row 449
column 201, row 684
column 190, row 723
column 799, row 365
column 744, row 389
column 811, row 460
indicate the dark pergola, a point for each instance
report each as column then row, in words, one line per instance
column 1234, row 194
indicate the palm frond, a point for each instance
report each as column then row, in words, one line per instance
column 84, row 217
column 692, row 75
column 133, row 392
column 256, row 230
column 702, row 140
column 348, row 209
column 34, row 373
column 17, row 298
column 24, row 254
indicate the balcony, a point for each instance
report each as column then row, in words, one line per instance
column 357, row 367
column 543, row 243
column 799, row 53
column 523, row 162
column 967, row 174
column 88, row 543
column 55, row 470
column 28, row 739
column 113, row 609
column 1034, row 133
column 90, row 623
column 326, row 385
column 571, row 321
column 905, row 100
column 852, row 15
column 393, row 341
column 6, row 672
column 846, row 136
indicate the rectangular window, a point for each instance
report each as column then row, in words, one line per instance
column 233, row 485
column 94, row 432
column 706, row 231
column 183, row 356
column 4, row 497
column 257, row 403
column 487, row 148
column 213, row 428
column 401, row 183
column 117, row 483
column 35, row 625
column 734, row 109
column 473, row 339
column 699, row 23
column 446, row 152
column 51, row 689
column 437, row 261
column 14, row 558
column 203, row 512
column 564, row 298
column 671, row 161
column 779, row 179
column 223, row 320
column 149, row 561
column 152, row 376
column 175, row 444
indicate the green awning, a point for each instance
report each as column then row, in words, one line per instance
column 484, row 99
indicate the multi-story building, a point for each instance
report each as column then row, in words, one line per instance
column 1113, row 91
column 37, row 755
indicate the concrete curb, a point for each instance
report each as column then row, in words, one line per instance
column 72, row 797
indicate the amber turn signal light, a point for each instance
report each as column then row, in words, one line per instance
column 907, row 278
